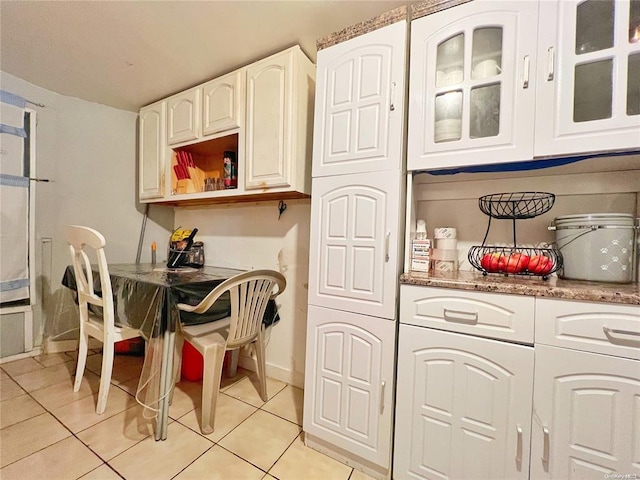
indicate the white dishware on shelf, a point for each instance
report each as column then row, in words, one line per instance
column 447, row 129
column 486, row 68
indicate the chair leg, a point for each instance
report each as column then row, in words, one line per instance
column 261, row 367
column 105, row 376
column 232, row 365
column 213, row 360
column 82, row 360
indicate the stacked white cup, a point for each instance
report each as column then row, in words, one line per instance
column 445, row 253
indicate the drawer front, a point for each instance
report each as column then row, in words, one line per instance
column 491, row 315
column 592, row 327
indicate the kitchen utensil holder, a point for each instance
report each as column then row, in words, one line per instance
column 514, row 206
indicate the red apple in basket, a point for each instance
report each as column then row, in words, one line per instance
column 493, row 262
column 540, row 264
column 517, row 262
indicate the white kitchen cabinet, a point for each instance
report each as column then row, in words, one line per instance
column 463, row 406
column 223, row 103
column 472, row 85
column 354, row 237
column 349, row 382
column 152, row 145
column 588, row 82
column 359, row 104
column 586, row 416
column 279, row 118
column 183, row 116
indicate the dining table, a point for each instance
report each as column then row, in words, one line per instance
column 146, row 297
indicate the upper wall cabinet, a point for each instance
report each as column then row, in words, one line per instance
column 588, row 77
column 222, row 106
column 152, row 150
column 359, row 104
column 471, row 95
column 183, row 116
column 279, row 118
column 245, row 136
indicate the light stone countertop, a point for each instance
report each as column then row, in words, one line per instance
column 628, row 294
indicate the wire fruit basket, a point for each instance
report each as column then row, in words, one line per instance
column 514, row 259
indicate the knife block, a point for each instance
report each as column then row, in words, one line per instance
column 186, row 185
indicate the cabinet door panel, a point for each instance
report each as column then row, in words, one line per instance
column 269, row 123
column 222, row 103
column 359, row 107
column 349, row 382
column 587, row 415
column 152, row 151
column 354, row 234
column 463, row 406
column 183, row 116
column 471, row 85
column 588, row 76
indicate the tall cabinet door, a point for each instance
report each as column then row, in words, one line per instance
column 152, row 150
column 354, row 237
column 586, row 415
column 463, row 406
column 588, row 76
column 270, row 122
column 359, row 104
column 471, row 85
column 349, row 382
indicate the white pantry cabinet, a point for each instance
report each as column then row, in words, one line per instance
column 588, row 86
column 463, row 407
column 360, row 104
column 279, row 118
column 349, row 382
column 354, row 236
column 471, row 86
column 183, row 116
column 152, row 145
column 586, row 416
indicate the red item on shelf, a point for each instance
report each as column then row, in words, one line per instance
column 192, row 363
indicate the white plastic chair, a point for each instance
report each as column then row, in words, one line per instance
column 103, row 328
column 249, row 294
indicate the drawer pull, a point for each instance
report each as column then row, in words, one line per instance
column 610, row 332
column 387, row 238
column 519, row 444
column 460, row 316
column 545, row 446
column 551, row 64
column 525, row 74
column 382, row 385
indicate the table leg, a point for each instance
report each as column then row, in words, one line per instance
column 163, row 410
column 169, row 384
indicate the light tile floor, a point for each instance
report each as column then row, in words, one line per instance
column 49, row 431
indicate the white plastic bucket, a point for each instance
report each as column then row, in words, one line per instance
column 596, row 246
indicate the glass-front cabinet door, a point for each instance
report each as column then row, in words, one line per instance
column 588, row 76
column 471, row 85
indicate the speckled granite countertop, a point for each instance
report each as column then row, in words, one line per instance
column 628, row 294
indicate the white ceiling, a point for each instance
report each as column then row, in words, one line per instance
column 127, row 54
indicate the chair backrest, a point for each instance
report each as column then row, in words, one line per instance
column 80, row 239
column 249, row 293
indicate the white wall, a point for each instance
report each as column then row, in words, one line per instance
column 89, row 153
column 250, row 236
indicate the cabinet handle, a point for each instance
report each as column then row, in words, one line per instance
column 386, row 246
column 460, row 316
column 552, row 60
column 392, row 107
column 609, row 332
column 545, row 445
column 382, row 385
column 519, row 444
column 525, row 73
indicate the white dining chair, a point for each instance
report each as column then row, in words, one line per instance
column 101, row 327
column 249, row 294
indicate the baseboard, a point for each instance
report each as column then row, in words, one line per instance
column 19, row 356
column 343, row 456
column 273, row 371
